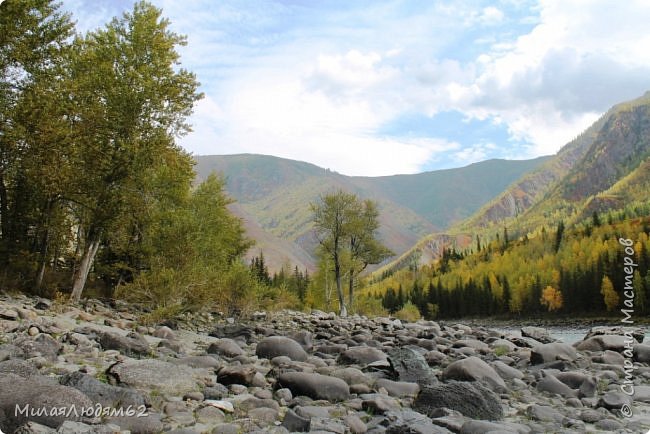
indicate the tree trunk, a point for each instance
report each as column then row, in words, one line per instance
column 77, row 251
column 4, row 219
column 90, row 250
column 351, row 287
column 339, row 289
column 44, row 244
column 41, row 268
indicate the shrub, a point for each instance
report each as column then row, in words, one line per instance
column 409, row 312
column 370, row 306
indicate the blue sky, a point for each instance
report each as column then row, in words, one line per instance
column 385, row 87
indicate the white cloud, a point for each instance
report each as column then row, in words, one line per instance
column 283, row 114
column 317, row 81
column 491, row 15
column 555, row 81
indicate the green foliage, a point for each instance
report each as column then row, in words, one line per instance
column 346, row 229
column 88, row 131
column 274, row 298
column 529, row 276
column 195, row 246
column 33, row 49
column 602, row 176
column 370, row 306
column 409, row 312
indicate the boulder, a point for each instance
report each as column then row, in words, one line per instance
column 471, row 399
column 236, row 374
column 615, row 400
column 351, row 376
column 362, row 356
column 474, row 369
column 42, row 345
column 315, row 386
column 149, row 424
column 637, row 332
column 642, row 353
column 304, row 338
column 573, row 379
column 199, row 362
column 538, row 333
column 485, row 427
column 10, row 351
column 410, row 366
column 474, row 344
column 149, row 374
column 83, row 428
column 379, row 404
column 544, row 413
column 355, row 424
column 605, row 342
column 411, row 422
column 398, row 389
column 105, row 394
column 18, row 367
column 506, row 372
column 133, row 345
column 18, row 395
column 42, row 303
column 233, row 331
column 274, row 346
column 550, row 352
column 552, row 385
column 164, row 332
column 225, row 347
column 503, row 345
column 9, row 314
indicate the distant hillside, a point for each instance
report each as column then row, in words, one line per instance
column 273, row 196
column 444, row 197
column 605, row 168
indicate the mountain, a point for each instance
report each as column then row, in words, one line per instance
column 273, row 196
column 605, row 168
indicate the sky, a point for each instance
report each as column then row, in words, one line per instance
column 381, row 87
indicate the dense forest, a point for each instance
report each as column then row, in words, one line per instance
column 555, row 271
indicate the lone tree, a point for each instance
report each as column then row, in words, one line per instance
column 363, row 245
column 346, row 231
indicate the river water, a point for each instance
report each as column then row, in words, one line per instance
column 565, row 334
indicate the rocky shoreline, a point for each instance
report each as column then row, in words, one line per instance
column 96, row 369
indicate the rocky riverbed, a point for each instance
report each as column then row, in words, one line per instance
column 96, row 369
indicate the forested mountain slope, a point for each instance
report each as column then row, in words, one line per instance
column 582, row 177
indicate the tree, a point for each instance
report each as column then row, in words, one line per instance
column 33, row 41
column 640, row 292
column 558, row 236
column 195, row 245
column 595, row 219
column 363, row 246
column 551, row 298
column 610, row 296
column 346, row 231
column 132, row 102
column 260, row 270
column 390, row 301
column 331, row 216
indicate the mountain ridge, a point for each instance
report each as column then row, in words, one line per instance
column 569, row 186
column 273, row 194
